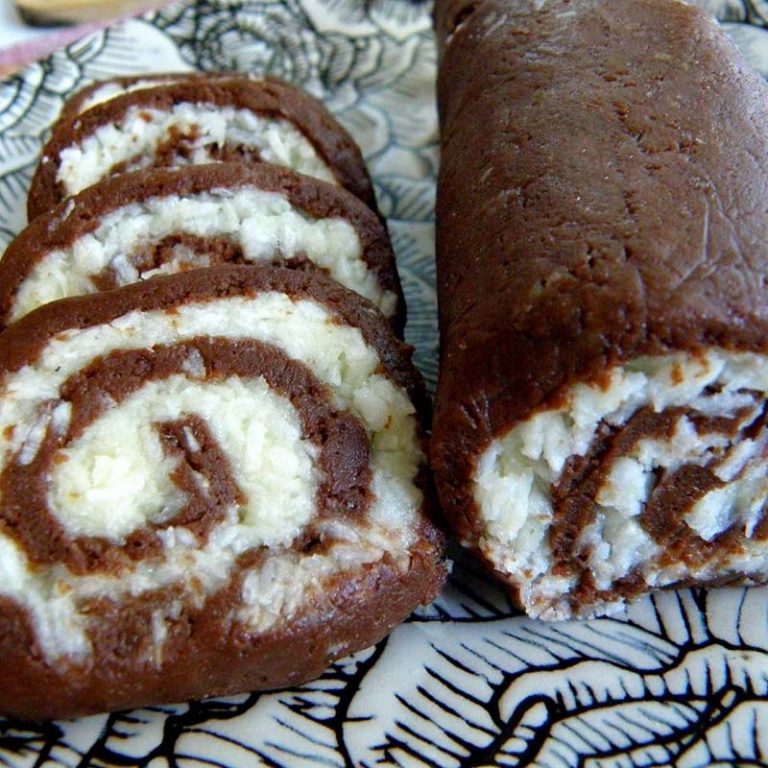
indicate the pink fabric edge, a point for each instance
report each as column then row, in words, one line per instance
column 20, row 54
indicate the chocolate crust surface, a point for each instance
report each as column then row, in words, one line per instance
column 205, row 651
column 200, row 660
column 269, row 97
column 596, row 204
column 82, row 214
column 76, row 104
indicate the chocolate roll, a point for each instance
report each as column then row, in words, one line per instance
column 603, row 247
column 194, row 121
column 212, row 482
column 133, row 226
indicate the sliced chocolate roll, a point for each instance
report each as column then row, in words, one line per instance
column 210, row 482
column 193, row 121
column 600, row 419
column 137, row 225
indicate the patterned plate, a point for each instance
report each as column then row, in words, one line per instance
column 681, row 680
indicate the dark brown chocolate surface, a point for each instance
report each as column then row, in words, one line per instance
column 601, row 163
column 82, row 214
column 269, row 97
column 206, row 652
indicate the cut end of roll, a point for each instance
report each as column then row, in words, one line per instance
column 654, row 476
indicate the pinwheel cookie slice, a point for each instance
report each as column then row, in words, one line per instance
column 600, row 424
column 137, row 225
column 210, row 482
column 193, row 121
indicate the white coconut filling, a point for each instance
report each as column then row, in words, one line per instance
column 116, row 477
column 515, row 475
column 135, row 137
column 263, row 224
column 305, row 331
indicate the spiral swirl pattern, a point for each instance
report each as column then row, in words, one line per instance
column 139, row 225
column 194, row 121
column 232, row 452
column 655, row 475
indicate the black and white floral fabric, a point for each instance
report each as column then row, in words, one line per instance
column 681, row 680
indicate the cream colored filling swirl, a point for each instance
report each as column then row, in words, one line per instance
column 134, row 139
column 272, row 463
column 264, row 225
column 116, row 477
column 516, row 474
